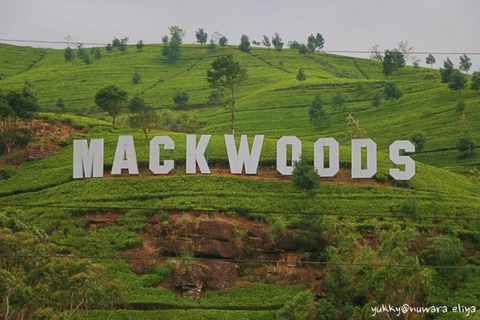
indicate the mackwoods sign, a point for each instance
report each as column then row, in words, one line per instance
column 88, row 160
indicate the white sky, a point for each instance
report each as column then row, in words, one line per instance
column 428, row 25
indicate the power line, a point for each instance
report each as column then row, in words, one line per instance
column 311, row 262
column 246, row 211
column 326, row 51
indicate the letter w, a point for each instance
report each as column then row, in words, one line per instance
column 243, row 157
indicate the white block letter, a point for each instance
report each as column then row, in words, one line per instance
column 371, row 169
column 243, row 157
column 87, row 162
column 154, row 158
column 399, row 160
column 196, row 154
column 333, row 157
column 282, row 144
column 125, row 156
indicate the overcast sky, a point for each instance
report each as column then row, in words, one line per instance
column 428, row 25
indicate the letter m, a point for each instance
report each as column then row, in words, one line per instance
column 87, row 162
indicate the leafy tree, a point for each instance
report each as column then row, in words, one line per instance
column 142, row 116
column 109, row 47
column 430, row 60
column 465, row 63
column 475, row 81
column 393, row 60
column 300, row 307
column 83, row 54
column 69, row 54
column 418, row 139
column 443, row 250
column 212, row 45
column 171, row 49
column 301, row 76
column 377, row 100
column 315, row 42
column 225, row 76
column 223, row 41
column 391, row 92
column 460, row 106
column 302, row 49
column 277, row 42
column 466, row 146
column 61, row 105
column 294, row 44
column 447, row 70
column 266, row 41
column 181, row 98
column 338, row 101
column 305, row 177
column 244, row 44
column 140, row 45
column 96, row 53
column 201, row 36
column 120, row 44
column 316, row 112
column 136, row 79
column 255, row 43
column 457, row 81
column 112, row 100
column 16, row 107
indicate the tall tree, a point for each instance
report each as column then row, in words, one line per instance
column 201, row 36
column 171, row 49
column 391, row 92
column 315, row 42
column 305, row 177
column 223, row 41
column 112, row 100
column 266, row 41
column 465, row 63
column 244, row 44
column 225, row 76
column 447, row 70
column 457, row 81
column 316, row 112
column 476, row 81
column 393, row 60
column 430, row 60
column 277, row 42
column 16, row 107
column 338, row 101
column 142, row 116
column 405, row 49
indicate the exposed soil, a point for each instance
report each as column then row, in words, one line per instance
column 99, row 220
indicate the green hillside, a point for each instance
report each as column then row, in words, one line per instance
column 368, row 242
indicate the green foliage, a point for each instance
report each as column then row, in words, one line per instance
column 120, row 44
column 7, row 172
column 466, row 146
column 465, row 63
column 171, row 49
column 301, row 76
column 447, row 70
column 142, row 116
column 225, row 76
column 181, row 98
column 430, row 59
column 244, row 45
column 223, row 41
column 315, row 42
column 112, row 100
column 391, row 92
column 443, row 250
column 136, row 79
column 266, row 41
column 201, row 36
column 457, row 81
column 409, row 208
column 393, row 60
column 377, row 100
column 338, row 101
column 418, row 139
column 277, row 42
column 475, row 81
column 316, row 112
column 69, row 54
column 139, row 45
column 300, row 307
column 305, row 177
column 460, row 106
